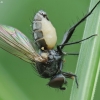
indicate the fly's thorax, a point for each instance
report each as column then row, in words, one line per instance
column 44, row 31
column 51, row 66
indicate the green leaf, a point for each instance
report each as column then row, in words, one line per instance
column 87, row 70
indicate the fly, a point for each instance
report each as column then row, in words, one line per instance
column 48, row 62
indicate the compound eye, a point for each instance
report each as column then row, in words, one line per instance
column 57, row 82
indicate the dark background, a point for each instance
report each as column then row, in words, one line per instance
column 18, row 81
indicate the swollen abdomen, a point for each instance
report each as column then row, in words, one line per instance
column 44, row 34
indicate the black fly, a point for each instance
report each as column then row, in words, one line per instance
column 47, row 62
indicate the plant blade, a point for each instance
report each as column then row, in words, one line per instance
column 88, row 63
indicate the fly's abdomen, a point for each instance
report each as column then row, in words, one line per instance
column 38, row 35
column 44, row 32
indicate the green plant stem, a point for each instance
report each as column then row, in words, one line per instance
column 87, row 70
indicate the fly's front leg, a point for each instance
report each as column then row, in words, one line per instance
column 69, row 33
column 71, row 76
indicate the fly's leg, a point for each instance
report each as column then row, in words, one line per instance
column 79, row 40
column 73, row 54
column 71, row 76
column 69, row 33
column 61, row 52
column 64, row 53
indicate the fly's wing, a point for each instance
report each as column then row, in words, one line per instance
column 16, row 43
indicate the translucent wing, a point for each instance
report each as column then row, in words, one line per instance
column 16, row 43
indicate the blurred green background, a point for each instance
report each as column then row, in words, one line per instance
column 18, row 81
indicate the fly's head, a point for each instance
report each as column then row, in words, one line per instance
column 58, row 81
